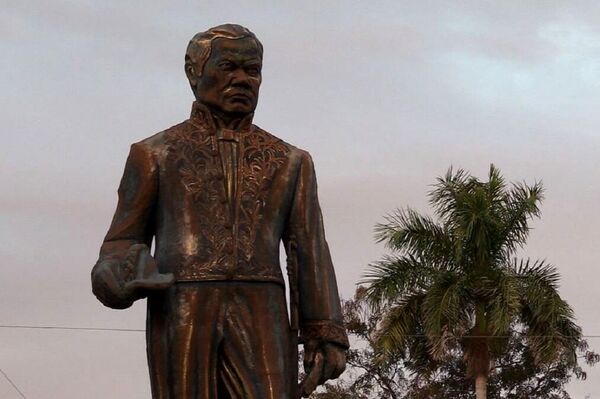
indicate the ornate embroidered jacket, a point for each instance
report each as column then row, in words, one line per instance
column 177, row 188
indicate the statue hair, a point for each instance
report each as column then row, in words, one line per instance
column 200, row 47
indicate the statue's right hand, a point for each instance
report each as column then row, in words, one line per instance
column 118, row 283
column 141, row 273
column 107, row 284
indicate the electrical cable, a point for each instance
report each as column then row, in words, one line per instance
column 72, row 328
column 16, row 388
column 143, row 330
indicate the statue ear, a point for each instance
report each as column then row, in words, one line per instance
column 190, row 72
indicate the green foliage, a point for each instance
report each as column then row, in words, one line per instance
column 515, row 374
column 365, row 377
column 454, row 284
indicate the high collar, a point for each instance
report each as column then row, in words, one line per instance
column 202, row 115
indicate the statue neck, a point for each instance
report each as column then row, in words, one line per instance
column 219, row 119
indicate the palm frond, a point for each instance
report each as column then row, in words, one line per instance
column 393, row 277
column 399, row 324
column 470, row 210
column 478, row 223
column 503, row 303
column 522, row 205
column 407, row 232
column 419, row 359
column 446, row 192
column 496, row 187
column 549, row 319
column 537, row 277
column 443, row 312
column 548, row 343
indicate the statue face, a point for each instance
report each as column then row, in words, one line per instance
column 231, row 77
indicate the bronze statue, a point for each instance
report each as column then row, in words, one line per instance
column 218, row 194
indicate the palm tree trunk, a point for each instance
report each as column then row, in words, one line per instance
column 478, row 354
column 481, row 387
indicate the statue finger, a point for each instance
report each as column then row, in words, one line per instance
column 310, row 349
column 156, row 282
column 311, row 381
column 336, row 358
column 107, row 280
column 108, row 289
column 145, row 263
column 162, row 281
column 136, row 250
column 331, row 367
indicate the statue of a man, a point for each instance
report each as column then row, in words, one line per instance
column 218, row 195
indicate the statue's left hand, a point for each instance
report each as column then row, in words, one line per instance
column 322, row 362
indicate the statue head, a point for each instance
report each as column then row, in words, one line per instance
column 224, row 67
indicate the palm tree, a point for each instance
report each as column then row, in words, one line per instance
column 454, row 282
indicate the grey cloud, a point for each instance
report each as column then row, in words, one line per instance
column 385, row 95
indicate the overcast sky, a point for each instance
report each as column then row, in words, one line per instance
column 386, row 95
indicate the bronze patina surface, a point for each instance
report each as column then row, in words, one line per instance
column 218, row 195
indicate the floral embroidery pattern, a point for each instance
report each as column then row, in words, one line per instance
column 195, row 158
column 194, row 154
column 262, row 155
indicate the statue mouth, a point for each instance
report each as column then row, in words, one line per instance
column 240, row 96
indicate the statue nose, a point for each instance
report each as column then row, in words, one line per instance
column 240, row 76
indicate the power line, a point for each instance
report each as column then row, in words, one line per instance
column 13, row 384
column 497, row 336
column 98, row 329
column 72, row 328
column 31, row 327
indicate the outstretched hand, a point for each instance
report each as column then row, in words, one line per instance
column 322, row 362
column 145, row 276
column 118, row 283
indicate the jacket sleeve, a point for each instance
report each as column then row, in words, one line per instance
column 132, row 224
column 313, row 284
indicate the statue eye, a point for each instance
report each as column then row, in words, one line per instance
column 226, row 66
column 253, row 71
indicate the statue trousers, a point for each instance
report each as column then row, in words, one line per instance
column 221, row 340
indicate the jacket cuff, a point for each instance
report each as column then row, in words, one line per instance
column 324, row 331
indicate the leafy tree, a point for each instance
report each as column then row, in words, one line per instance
column 454, row 284
column 365, row 377
column 515, row 374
